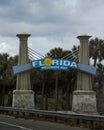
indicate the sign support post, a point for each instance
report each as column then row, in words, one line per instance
column 84, row 98
column 23, row 96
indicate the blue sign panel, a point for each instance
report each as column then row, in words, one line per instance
column 58, row 64
column 88, row 69
column 21, row 68
column 49, row 63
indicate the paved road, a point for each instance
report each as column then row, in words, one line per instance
column 10, row 123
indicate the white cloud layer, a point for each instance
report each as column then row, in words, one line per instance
column 51, row 23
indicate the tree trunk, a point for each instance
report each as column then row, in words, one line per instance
column 3, row 94
column 42, row 100
column 46, row 101
column 56, row 92
column 68, row 98
column 95, row 60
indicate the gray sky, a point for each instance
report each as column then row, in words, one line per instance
column 51, row 23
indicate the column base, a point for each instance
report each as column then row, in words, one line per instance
column 84, row 101
column 23, row 99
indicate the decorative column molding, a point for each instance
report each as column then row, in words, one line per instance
column 23, row 96
column 23, row 79
column 84, row 79
column 84, row 98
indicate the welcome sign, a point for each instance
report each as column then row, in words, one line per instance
column 52, row 64
column 49, row 63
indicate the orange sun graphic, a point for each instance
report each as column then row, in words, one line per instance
column 48, row 61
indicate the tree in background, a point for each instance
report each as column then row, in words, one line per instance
column 63, row 79
column 6, row 77
column 96, row 47
column 97, row 55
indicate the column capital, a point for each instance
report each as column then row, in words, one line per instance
column 83, row 37
column 23, row 35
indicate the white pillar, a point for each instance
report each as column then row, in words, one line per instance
column 84, row 98
column 23, row 96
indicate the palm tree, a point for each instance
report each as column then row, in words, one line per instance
column 99, row 86
column 96, row 47
column 97, row 54
column 58, row 53
column 6, row 76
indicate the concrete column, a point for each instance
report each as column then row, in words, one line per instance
column 23, row 79
column 83, row 79
column 23, row 96
column 84, row 98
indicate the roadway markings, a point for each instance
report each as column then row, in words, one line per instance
column 17, row 126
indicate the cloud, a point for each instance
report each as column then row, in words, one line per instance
column 9, row 45
column 40, row 16
column 54, row 22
